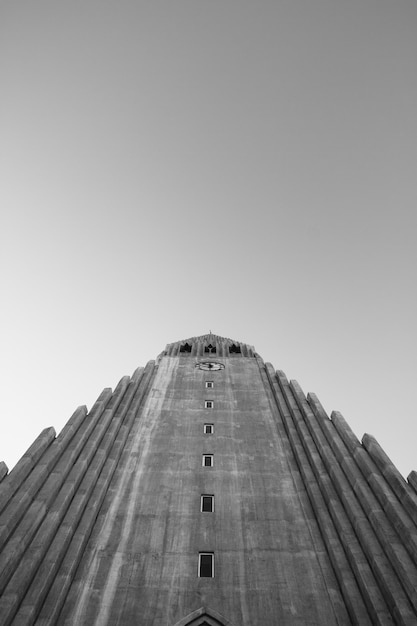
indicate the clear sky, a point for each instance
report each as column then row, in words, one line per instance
column 170, row 168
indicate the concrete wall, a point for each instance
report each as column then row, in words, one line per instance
column 102, row 524
column 141, row 560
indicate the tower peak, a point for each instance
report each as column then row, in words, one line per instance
column 209, row 344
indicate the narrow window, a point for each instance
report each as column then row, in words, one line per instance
column 206, row 565
column 207, row 504
column 210, row 349
column 234, row 349
column 207, row 460
column 185, row 347
column 209, row 404
column 209, row 384
column 208, row 429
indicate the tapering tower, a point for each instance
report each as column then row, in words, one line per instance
column 207, row 489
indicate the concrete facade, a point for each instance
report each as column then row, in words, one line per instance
column 103, row 524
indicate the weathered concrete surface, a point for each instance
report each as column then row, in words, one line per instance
column 143, row 553
column 102, row 525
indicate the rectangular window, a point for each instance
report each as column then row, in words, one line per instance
column 208, row 429
column 209, row 404
column 206, row 565
column 208, row 460
column 207, row 504
column 209, row 384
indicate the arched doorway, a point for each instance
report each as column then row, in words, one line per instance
column 203, row 617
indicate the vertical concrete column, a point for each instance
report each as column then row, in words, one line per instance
column 24, row 496
column 396, row 552
column 322, row 463
column 99, row 448
column 358, row 524
column 398, row 511
column 398, row 557
column 50, row 505
column 368, row 539
column 86, row 506
column 406, row 498
column 344, row 575
column 3, row 470
column 412, row 480
column 25, row 465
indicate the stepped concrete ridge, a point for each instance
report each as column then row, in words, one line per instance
column 207, row 489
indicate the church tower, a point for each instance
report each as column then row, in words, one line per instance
column 207, row 489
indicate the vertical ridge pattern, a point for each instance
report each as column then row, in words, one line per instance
column 371, row 530
column 392, row 476
column 3, row 470
column 91, row 495
column 394, row 495
column 365, row 511
column 23, row 509
column 345, row 577
column 412, row 480
column 62, row 481
column 363, row 476
column 349, row 511
column 394, row 545
column 348, row 534
column 57, row 493
column 25, row 465
column 47, row 477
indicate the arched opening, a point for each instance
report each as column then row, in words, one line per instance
column 203, row 617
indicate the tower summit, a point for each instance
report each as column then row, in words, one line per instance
column 207, row 489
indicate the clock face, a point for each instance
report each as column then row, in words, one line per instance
column 210, row 366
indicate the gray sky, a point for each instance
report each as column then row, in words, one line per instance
column 174, row 167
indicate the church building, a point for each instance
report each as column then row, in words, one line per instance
column 207, row 490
